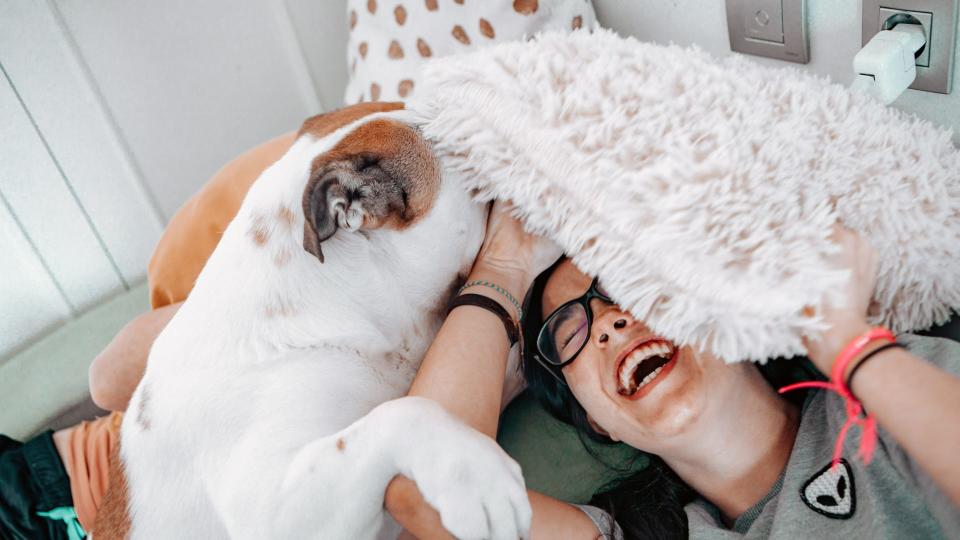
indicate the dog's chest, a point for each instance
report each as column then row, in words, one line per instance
column 393, row 366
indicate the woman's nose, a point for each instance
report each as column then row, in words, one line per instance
column 609, row 321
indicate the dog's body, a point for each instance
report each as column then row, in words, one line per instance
column 253, row 418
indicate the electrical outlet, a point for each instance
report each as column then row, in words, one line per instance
column 939, row 21
column 890, row 17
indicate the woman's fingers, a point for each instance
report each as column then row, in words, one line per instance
column 845, row 312
column 508, row 245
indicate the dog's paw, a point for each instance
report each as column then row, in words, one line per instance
column 474, row 485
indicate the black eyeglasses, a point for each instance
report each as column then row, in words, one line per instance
column 567, row 330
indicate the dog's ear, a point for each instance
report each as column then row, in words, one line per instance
column 382, row 174
column 320, row 221
column 320, row 126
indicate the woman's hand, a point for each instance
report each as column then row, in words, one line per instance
column 511, row 253
column 846, row 315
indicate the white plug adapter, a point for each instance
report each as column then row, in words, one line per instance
column 886, row 66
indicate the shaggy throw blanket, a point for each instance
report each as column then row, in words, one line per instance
column 703, row 191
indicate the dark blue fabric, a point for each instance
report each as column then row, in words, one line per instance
column 32, row 479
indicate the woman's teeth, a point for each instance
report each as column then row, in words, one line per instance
column 642, row 366
column 650, row 377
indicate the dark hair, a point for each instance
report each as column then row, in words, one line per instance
column 647, row 504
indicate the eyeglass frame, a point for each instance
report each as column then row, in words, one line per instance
column 584, row 300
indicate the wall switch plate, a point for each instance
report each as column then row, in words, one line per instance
column 939, row 19
column 773, row 28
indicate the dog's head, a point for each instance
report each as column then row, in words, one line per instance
column 380, row 174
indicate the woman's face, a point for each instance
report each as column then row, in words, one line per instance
column 615, row 376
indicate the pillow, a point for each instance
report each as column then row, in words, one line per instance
column 390, row 39
column 703, row 192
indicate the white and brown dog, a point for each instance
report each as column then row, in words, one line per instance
column 271, row 404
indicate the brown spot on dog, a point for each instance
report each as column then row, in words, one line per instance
column 143, row 419
column 460, row 34
column 372, row 6
column 278, row 308
column 424, row 48
column 395, row 51
column 486, row 28
column 341, row 444
column 353, row 19
column 432, row 5
column 281, row 257
column 113, row 518
column 577, row 22
column 260, row 236
column 374, row 92
column 405, row 87
column 525, row 7
column 400, row 14
column 363, row 47
column 259, row 232
column 458, row 2
column 286, row 216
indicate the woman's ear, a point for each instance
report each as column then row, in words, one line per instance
column 596, row 427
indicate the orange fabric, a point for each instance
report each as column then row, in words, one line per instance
column 193, row 233
column 87, row 457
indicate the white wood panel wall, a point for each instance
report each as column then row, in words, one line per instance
column 114, row 112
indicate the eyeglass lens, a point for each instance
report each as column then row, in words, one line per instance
column 564, row 334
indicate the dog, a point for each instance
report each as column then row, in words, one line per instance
column 271, row 405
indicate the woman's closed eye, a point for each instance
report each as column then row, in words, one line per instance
column 571, row 332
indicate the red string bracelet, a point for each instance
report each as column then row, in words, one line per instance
column 868, row 439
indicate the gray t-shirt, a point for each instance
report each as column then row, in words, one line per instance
column 890, row 498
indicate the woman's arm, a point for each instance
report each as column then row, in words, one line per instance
column 551, row 518
column 915, row 401
column 116, row 371
column 465, row 368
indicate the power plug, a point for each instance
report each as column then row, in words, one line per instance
column 886, row 67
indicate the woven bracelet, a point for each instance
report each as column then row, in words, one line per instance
column 499, row 289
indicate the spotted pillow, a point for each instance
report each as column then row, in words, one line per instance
column 390, row 39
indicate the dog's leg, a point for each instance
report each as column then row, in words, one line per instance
column 334, row 486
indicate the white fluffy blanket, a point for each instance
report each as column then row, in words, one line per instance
column 703, row 191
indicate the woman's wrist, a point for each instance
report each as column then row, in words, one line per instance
column 823, row 351
column 513, row 281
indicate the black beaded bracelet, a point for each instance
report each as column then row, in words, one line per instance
column 863, row 361
column 490, row 305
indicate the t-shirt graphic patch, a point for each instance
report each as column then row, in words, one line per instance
column 831, row 492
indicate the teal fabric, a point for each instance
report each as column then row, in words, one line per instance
column 555, row 461
column 68, row 516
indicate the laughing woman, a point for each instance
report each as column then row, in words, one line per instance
column 735, row 457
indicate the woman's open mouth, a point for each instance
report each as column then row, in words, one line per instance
column 643, row 365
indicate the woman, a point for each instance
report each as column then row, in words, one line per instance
column 760, row 465
column 464, row 371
